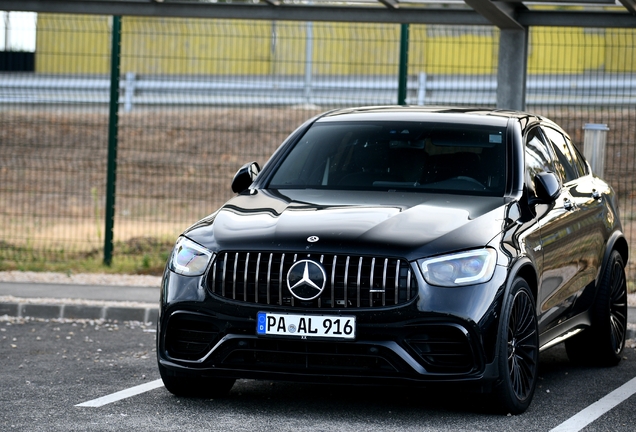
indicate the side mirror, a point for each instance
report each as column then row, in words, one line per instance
column 245, row 176
column 547, row 186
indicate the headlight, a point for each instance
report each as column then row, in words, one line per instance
column 189, row 258
column 459, row 269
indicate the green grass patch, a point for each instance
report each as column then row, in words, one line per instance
column 140, row 255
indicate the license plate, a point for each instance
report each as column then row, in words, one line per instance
column 306, row 326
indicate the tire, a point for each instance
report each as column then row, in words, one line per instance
column 602, row 344
column 188, row 386
column 518, row 347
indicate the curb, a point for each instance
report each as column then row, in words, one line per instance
column 145, row 314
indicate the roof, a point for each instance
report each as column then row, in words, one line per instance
column 505, row 14
column 427, row 113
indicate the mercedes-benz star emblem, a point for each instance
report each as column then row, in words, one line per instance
column 306, row 279
column 312, row 239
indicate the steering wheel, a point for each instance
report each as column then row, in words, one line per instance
column 470, row 180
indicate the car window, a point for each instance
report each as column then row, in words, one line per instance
column 539, row 157
column 412, row 156
column 579, row 160
column 565, row 163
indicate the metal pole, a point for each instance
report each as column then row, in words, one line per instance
column 309, row 58
column 512, row 69
column 111, row 175
column 7, row 31
column 404, row 63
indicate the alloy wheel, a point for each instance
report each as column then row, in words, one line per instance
column 618, row 306
column 522, row 346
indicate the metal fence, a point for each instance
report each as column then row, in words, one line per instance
column 230, row 91
column 201, row 97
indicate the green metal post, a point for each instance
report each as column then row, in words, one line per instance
column 404, row 63
column 111, row 175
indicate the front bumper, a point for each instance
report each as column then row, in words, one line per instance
column 202, row 334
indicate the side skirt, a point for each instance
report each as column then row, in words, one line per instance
column 563, row 331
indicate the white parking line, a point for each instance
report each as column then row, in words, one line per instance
column 133, row 391
column 573, row 424
column 597, row 409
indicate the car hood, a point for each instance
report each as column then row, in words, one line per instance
column 409, row 225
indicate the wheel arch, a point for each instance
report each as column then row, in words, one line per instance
column 616, row 242
column 524, row 268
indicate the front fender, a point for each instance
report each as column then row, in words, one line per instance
column 616, row 242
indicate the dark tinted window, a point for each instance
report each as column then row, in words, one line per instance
column 539, row 158
column 566, row 163
column 397, row 155
column 581, row 166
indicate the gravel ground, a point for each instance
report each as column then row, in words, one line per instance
column 81, row 279
column 111, row 280
column 75, row 302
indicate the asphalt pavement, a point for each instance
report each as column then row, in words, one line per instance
column 113, row 303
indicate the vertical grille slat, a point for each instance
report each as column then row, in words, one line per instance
column 358, row 282
column 371, row 287
column 346, row 285
column 224, row 273
column 292, row 297
column 397, row 282
column 234, row 276
column 386, row 264
column 333, row 281
column 269, row 278
column 223, row 277
column 245, row 274
column 351, row 282
column 258, row 266
column 322, row 259
column 280, row 280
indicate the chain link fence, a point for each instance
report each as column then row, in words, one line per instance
column 198, row 98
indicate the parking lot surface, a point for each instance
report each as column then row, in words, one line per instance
column 50, row 368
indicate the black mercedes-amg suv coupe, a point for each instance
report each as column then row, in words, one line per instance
column 400, row 246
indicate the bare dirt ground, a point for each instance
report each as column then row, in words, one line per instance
column 175, row 166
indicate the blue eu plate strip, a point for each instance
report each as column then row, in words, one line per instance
column 261, row 319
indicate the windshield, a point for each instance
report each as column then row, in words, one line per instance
column 416, row 156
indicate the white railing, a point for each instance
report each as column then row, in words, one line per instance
column 142, row 90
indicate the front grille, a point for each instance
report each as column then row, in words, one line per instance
column 189, row 336
column 351, row 281
column 315, row 357
column 443, row 349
